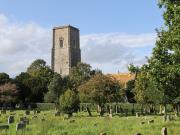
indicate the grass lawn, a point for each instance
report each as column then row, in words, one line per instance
column 81, row 124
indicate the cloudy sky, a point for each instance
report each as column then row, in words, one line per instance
column 114, row 33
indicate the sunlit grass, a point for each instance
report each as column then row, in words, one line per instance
column 81, row 124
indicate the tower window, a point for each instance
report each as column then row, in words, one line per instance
column 74, row 43
column 61, row 43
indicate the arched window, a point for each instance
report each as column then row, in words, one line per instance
column 61, row 42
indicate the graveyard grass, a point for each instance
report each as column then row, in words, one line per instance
column 81, row 124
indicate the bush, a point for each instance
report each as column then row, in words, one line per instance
column 69, row 102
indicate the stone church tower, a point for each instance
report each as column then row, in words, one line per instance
column 66, row 51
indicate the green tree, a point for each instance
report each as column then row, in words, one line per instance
column 41, row 75
column 4, row 78
column 80, row 74
column 55, row 89
column 100, row 89
column 165, row 61
column 129, row 91
column 22, row 81
column 134, row 69
column 69, row 102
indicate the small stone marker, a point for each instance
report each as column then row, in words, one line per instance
column 137, row 115
column 164, row 131
column 57, row 113
column 137, row 134
column 126, row 112
column 24, row 120
column 103, row 133
column 20, row 126
column 164, row 118
column 110, row 113
column 10, row 119
column 38, row 111
column 168, row 118
column 34, row 112
column 150, row 121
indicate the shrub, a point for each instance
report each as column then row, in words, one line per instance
column 69, row 102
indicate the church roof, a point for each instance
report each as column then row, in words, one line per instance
column 122, row 78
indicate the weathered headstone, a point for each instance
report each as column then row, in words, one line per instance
column 57, row 113
column 38, row 111
column 137, row 115
column 164, row 131
column 168, row 118
column 137, row 134
column 164, row 118
column 150, row 121
column 110, row 113
column 103, row 133
column 10, row 119
column 65, row 117
column 34, row 112
column 20, row 126
column 126, row 112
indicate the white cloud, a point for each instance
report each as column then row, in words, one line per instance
column 113, row 52
column 20, row 44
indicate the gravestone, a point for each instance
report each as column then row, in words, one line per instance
column 34, row 112
column 10, row 119
column 150, row 121
column 57, row 113
column 20, row 126
column 110, row 113
column 137, row 134
column 103, row 133
column 38, row 111
column 137, row 115
column 164, row 118
column 24, row 120
column 126, row 112
column 164, row 131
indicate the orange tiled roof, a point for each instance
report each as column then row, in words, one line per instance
column 123, row 78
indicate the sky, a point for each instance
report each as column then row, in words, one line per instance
column 114, row 33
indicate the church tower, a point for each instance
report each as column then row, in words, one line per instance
column 66, row 51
